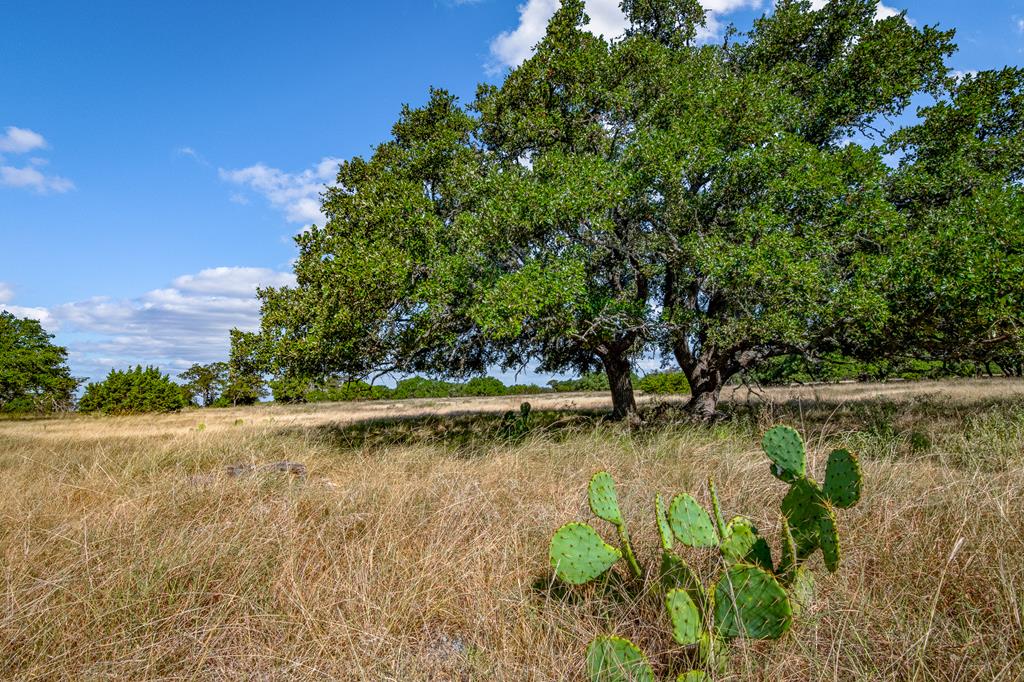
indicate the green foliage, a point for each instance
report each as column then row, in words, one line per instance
column 133, row 391
column 701, row 200
column 205, row 382
column 245, row 383
column 34, row 376
column 750, row 598
column 663, row 383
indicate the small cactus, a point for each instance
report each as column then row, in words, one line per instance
column 808, row 507
column 753, row 597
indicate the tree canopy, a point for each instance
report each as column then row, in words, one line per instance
column 34, row 375
column 717, row 204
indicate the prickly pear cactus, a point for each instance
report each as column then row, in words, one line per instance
column 664, row 529
column 785, row 449
column 687, row 625
column 603, row 500
column 808, row 507
column 750, row 602
column 843, row 479
column 829, row 539
column 693, row 676
column 579, row 555
column 615, row 659
column 690, row 522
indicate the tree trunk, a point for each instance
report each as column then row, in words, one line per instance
column 706, row 382
column 620, row 381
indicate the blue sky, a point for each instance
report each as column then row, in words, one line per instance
column 156, row 158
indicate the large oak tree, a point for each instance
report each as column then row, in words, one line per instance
column 719, row 204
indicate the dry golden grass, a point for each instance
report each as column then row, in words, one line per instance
column 417, row 549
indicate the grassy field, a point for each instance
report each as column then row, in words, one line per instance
column 415, row 548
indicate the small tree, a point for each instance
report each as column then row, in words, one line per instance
column 205, row 381
column 133, row 391
column 34, row 375
column 245, row 382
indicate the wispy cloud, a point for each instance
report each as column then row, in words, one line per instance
column 21, row 141
column 297, row 195
column 6, row 292
column 171, row 327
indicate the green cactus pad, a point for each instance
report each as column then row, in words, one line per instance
column 714, row 652
column 716, row 508
column 693, row 676
column 750, row 603
column 578, row 554
column 843, row 479
column 685, row 617
column 738, row 541
column 690, row 522
column 802, row 590
column 803, row 508
column 614, row 659
column 785, row 448
column 664, row 530
column 675, row 573
column 787, row 561
column 603, row 500
column 829, row 539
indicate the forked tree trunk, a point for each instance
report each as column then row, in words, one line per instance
column 620, row 381
column 709, row 373
column 706, row 382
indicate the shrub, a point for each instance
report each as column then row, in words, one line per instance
column 483, row 386
column 664, row 383
column 134, row 390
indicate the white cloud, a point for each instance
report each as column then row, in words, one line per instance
column 171, row 327
column 31, row 178
column 1020, row 25
column 512, row 48
column 20, row 140
column 295, row 194
column 6, row 292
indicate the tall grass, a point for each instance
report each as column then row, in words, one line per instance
column 417, row 549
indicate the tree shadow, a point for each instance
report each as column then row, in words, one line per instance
column 467, row 433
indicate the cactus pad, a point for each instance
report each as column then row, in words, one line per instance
column 603, row 500
column 614, row 659
column 578, row 554
column 843, row 479
column 676, row 573
column 802, row 508
column 716, row 508
column 738, row 541
column 690, row 522
column 664, row 530
column 802, row 590
column 787, row 561
column 685, row 617
column 751, row 603
column 829, row 539
column 693, row 676
column 785, row 448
